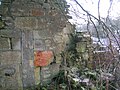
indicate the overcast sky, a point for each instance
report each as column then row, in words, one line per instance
column 92, row 7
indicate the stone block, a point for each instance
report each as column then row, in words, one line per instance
column 37, row 75
column 27, row 59
column 27, row 75
column 10, row 78
column 4, row 44
column 28, row 23
column 10, row 57
column 16, row 44
column 6, row 33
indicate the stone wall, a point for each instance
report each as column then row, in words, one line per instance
column 84, row 48
column 32, row 25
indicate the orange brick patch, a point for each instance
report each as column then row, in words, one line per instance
column 42, row 58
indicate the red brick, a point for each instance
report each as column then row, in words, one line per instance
column 37, row 12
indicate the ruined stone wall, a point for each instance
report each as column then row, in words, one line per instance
column 32, row 25
column 84, row 48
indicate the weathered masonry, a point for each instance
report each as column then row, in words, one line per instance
column 34, row 29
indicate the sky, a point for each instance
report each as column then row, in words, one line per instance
column 92, row 7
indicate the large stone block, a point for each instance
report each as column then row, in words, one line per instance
column 27, row 59
column 6, row 33
column 10, row 57
column 10, row 78
column 28, row 23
